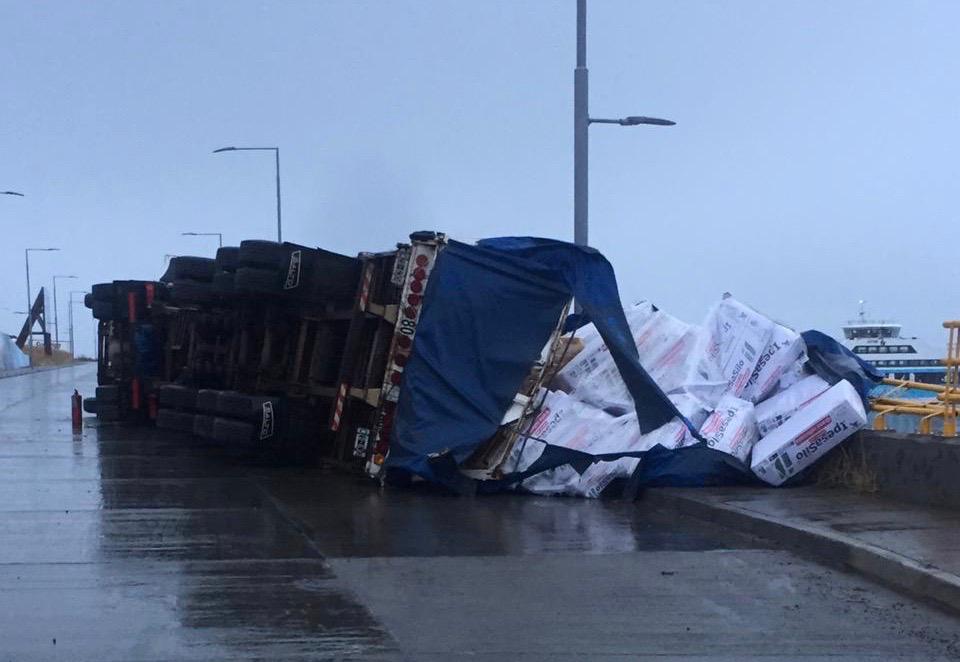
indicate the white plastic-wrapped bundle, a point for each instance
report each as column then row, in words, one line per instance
column 775, row 411
column 813, row 430
column 691, row 407
column 734, row 336
column 592, row 376
column 793, row 374
column 731, row 428
column 667, row 349
column 784, row 350
column 565, row 421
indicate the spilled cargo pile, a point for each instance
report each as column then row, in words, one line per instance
column 740, row 382
column 448, row 362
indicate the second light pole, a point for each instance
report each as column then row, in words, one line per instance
column 73, row 352
column 56, row 319
column 276, row 151
column 581, row 126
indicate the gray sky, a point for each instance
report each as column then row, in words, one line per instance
column 813, row 164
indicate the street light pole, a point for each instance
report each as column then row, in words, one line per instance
column 56, row 318
column 581, row 133
column 218, row 235
column 73, row 353
column 276, row 152
column 26, row 256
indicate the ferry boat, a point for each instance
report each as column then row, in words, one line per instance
column 880, row 344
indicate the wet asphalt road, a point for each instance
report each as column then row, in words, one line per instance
column 135, row 544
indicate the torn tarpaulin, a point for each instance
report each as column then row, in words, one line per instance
column 488, row 310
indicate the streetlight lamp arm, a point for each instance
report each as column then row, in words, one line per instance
column 633, row 120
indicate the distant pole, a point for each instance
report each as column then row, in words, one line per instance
column 26, row 257
column 73, row 353
column 581, row 133
column 279, row 224
column 56, row 318
column 276, row 152
column 218, row 235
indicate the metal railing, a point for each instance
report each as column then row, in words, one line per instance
column 941, row 407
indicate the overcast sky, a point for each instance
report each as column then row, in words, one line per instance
column 814, row 161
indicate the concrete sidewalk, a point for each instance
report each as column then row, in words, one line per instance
column 915, row 549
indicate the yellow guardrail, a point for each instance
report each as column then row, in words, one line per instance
column 943, row 405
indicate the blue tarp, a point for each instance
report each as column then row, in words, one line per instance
column 488, row 311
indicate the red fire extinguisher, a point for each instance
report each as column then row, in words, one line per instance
column 76, row 409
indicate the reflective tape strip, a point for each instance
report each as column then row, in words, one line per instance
column 338, row 409
column 365, row 291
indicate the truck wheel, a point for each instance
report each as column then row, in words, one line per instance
column 90, row 405
column 175, row 396
column 170, row 419
column 250, row 279
column 223, row 283
column 228, row 258
column 188, row 267
column 103, row 310
column 108, row 412
column 203, row 426
column 189, row 291
column 246, row 407
column 233, row 432
column 259, row 253
column 108, row 394
column 207, row 400
column 103, row 292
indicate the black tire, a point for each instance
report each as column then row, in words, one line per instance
column 174, row 396
column 170, row 419
column 109, row 395
column 90, row 405
column 108, row 412
column 248, row 407
column 233, row 432
column 228, row 258
column 203, row 426
column 188, row 267
column 207, row 399
column 259, row 253
column 250, row 279
column 103, row 310
column 88, row 300
column 223, row 283
column 191, row 292
column 103, row 292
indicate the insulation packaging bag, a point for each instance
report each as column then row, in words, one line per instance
column 666, row 347
column 731, row 428
column 794, row 374
column 592, row 376
column 734, row 337
column 783, row 351
column 564, row 421
column 692, row 408
column 813, row 430
column 775, row 411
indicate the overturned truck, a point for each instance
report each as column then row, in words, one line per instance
column 459, row 364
